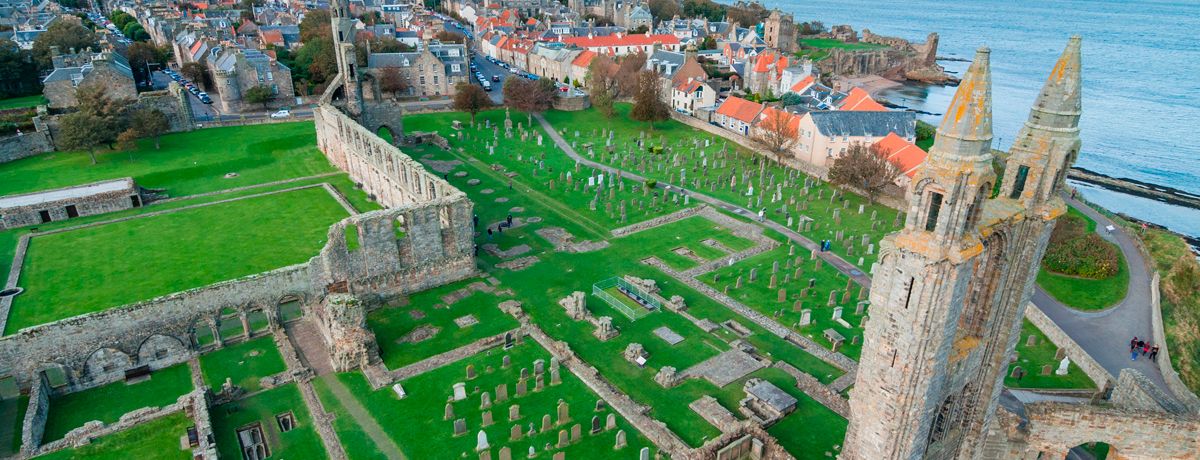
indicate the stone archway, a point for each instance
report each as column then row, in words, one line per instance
column 159, row 347
column 1093, row 451
column 106, row 362
column 386, row 133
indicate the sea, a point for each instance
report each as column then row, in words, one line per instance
column 1141, row 78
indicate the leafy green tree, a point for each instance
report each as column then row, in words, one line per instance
column 78, row 131
column 18, row 74
column 67, row 36
column 789, row 98
column 147, row 122
column 260, row 94
column 316, row 61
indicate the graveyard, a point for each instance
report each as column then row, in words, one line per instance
column 608, row 316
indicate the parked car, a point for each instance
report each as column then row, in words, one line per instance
column 495, row 78
column 205, row 99
column 282, row 113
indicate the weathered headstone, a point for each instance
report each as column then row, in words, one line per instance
column 487, row 418
column 470, row 371
column 449, row 412
column 564, row 412
column 505, row 453
column 460, row 391
column 563, row 439
column 596, row 427
column 485, row 400
column 837, row 313
column 481, row 441
column 460, row 427
column 546, row 423
column 521, row 388
column 514, row 412
column 501, row 393
column 805, row 317
column 576, row 432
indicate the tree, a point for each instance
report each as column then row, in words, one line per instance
column 315, row 61
column 77, row 131
column 709, row 43
column 640, row 29
column 789, row 99
column 471, row 99
column 865, row 168
column 316, row 24
column 529, row 96
column 627, row 74
column 67, row 36
column 648, row 105
column 18, row 74
column 391, row 81
column 601, row 85
column 778, row 131
column 98, row 121
column 140, row 55
column 197, row 72
column 447, row 36
column 147, row 122
column 664, row 9
column 260, row 94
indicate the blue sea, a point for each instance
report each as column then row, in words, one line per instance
column 1141, row 71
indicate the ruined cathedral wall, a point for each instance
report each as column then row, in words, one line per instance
column 1133, row 434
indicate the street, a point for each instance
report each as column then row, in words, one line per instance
column 488, row 69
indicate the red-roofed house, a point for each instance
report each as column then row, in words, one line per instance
column 619, row 44
column 902, row 153
column 272, row 37
column 737, row 115
column 859, row 100
column 686, row 97
column 579, row 65
column 780, row 121
column 803, row 85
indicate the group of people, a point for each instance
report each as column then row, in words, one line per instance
column 825, row 245
column 1143, row 347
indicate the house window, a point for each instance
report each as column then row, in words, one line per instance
column 422, row 79
column 935, row 207
column 1019, row 182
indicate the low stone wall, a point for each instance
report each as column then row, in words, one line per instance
column 813, row 388
column 1170, row 376
column 657, row 221
column 14, row 148
column 381, row 378
column 1097, row 373
column 194, row 402
column 127, row 197
column 572, row 104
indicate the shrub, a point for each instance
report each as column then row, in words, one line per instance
column 651, row 183
column 1087, row 256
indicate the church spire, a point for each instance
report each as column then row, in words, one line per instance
column 1049, row 141
column 966, row 129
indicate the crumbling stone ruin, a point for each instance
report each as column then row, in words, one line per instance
column 69, row 202
column 901, row 60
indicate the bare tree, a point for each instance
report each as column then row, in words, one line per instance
column 529, row 96
column 865, row 168
column 627, row 74
column 777, row 130
column 648, row 103
column 471, row 99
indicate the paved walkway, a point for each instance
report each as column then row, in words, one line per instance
column 1105, row 334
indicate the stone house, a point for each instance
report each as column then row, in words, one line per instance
column 432, row 71
column 826, row 135
column 236, row 70
column 552, row 61
column 620, row 44
column 107, row 69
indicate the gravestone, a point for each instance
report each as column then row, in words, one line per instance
column 805, row 317
column 576, row 432
column 539, row 366
column 449, row 412
column 521, row 388
column 470, row 371
column 460, row 391
column 1046, row 369
column 485, row 400
column 487, row 418
column 596, row 427
column 546, row 423
column 610, row 422
column 1031, row 340
column 501, row 393
column 1017, row 372
column 515, row 433
column 485, row 455
column 644, row 454
column 1060, row 354
column 837, row 313
column 514, row 412
column 505, row 453
column 563, row 439
column 858, row 309
column 555, row 378
column 600, row 405
column 564, row 412
column 832, row 299
column 539, row 382
column 507, row 360
column 481, row 441
column 460, row 427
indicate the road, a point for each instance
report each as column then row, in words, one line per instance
column 1104, row 335
column 488, row 69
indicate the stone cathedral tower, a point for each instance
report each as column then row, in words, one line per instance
column 950, row 288
column 347, row 59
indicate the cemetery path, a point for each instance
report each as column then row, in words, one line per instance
column 1105, row 334
column 363, row 418
column 843, row 266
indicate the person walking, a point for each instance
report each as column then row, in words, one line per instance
column 1133, row 343
column 1146, row 349
column 1154, row 353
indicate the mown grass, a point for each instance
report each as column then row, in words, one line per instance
column 157, row 439
column 827, row 43
column 392, row 324
column 109, row 402
column 22, row 102
column 1032, row 358
column 300, row 442
column 243, row 364
column 95, row 268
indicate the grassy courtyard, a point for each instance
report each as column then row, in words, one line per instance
column 109, row 402
column 299, row 442
column 1084, row 292
column 157, row 438
column 188, row 163
column 22, row 102
column 243, row 364
column 144, row 258
column 711, row 170
column 1041, row 353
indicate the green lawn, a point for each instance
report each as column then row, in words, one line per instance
column 301, row 442
column 391, row 324
column 109, row 402
column 1031, row 359
column 827, row 43
column 12, row 415
column 143, row 258
column 188, row 163
column 244, row 363
column 157, row 439
column 578, row 271
column 762, row 298
column 22, row 102
column 417, row 426
column 1086, row 293
column 687, row 145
